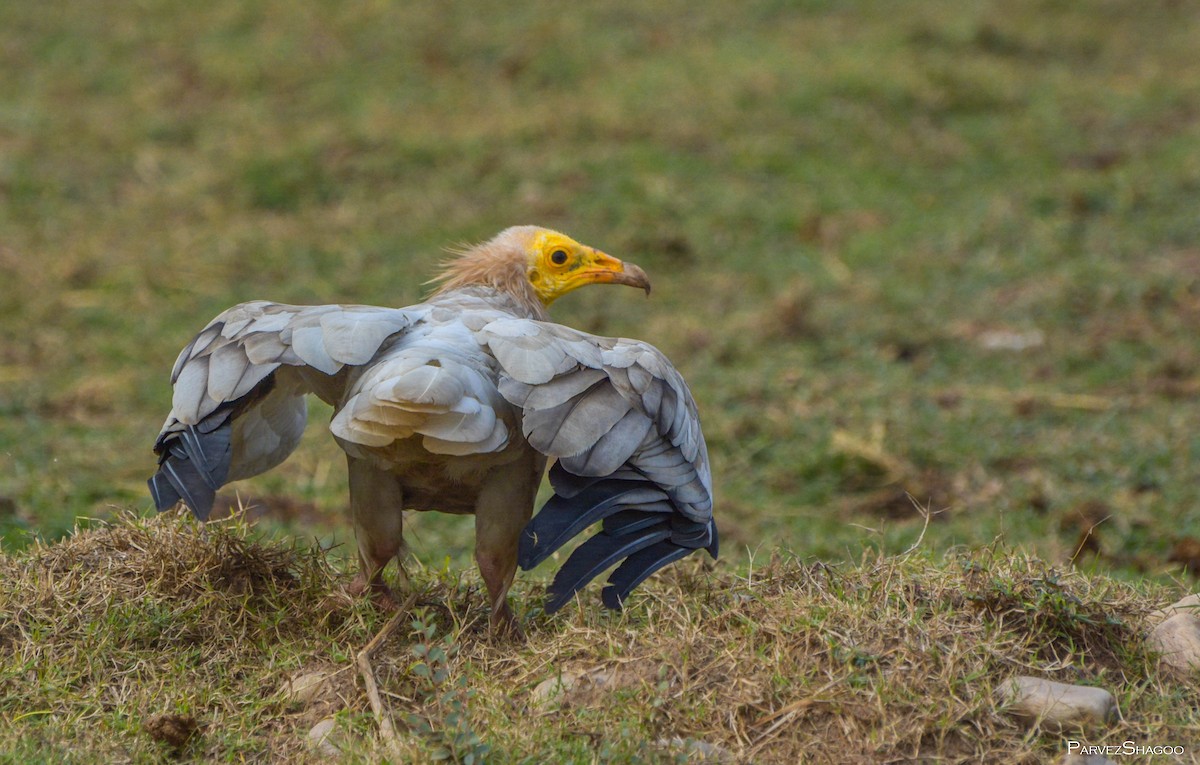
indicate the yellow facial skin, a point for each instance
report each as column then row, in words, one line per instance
column 559, row 264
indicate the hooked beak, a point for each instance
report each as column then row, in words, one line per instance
column 605, row 269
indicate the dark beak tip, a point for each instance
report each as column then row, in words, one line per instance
column 635, row 276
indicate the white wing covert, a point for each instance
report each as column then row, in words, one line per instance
column 435, row 382
column 626, row 434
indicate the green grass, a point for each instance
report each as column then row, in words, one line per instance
column 839, row 205
column 888, row 657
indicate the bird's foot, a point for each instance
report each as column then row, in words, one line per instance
column 381, row 595
column 503, row 625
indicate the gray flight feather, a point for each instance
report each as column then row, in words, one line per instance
column 604, row 406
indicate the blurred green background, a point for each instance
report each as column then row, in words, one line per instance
column 946, row 250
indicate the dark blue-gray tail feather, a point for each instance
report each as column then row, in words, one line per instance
column 640, row 526
column 634, row 571
column 560, row 519
column 592, row 557
column 192, row 465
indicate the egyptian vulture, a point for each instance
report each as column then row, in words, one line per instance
column 456, row 404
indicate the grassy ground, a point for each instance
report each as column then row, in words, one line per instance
column 942, row 249
column 889, row 659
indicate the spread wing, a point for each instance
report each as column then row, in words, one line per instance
column 238, row 407
column 624, row 428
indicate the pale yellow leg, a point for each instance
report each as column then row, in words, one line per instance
column 376, row 509
column 504, row 507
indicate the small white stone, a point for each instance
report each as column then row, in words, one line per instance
column 1006, row 340
column 318, row 738
column 1056, row 705
column 305, row 687
column 1188, row 605
column 1178, row 640
column 570, row 685
column 553, row 687
column 696, row 751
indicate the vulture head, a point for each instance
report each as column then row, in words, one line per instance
column 537, row 266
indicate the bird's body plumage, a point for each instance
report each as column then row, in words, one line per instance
column 456, row 405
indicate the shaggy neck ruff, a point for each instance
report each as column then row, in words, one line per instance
column 501, row 264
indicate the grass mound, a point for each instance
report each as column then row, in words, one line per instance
column 149, row 639
column 101, row 632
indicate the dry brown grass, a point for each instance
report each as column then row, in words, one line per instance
column 892, row 659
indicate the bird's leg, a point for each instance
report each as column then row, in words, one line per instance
column 376, row 507
column 504, row 506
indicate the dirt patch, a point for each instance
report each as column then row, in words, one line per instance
column 1187, row 552
column 173, row 730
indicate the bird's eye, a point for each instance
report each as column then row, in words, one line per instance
column 558, row 257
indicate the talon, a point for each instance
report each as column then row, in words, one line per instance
column 504, row 626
